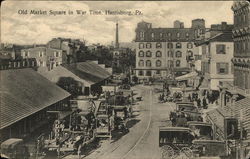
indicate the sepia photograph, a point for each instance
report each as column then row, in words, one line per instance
column 125, row 79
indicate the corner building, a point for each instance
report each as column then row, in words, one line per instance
column 161, row 50
column 241, row 37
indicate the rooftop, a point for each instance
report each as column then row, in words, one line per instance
column 24, row 92
column 89, row 71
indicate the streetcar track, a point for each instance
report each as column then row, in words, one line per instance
column 146, row 130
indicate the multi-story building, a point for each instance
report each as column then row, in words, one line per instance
column 241, row 36
column 217, row 53
column 159, row 50
column 45, row 57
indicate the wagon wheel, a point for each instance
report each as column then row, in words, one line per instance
column 167, row 152
column 186, row 152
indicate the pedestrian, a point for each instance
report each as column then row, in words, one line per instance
column 198, row 102
column 204, row 102
column 189, row 98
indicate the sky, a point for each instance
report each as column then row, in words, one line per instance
column 19, row 28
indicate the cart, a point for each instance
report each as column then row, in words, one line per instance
column 103, row 129
column 14, row 149
column 191, row 113
column 175, row 141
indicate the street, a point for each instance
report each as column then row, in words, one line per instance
column 142, row 140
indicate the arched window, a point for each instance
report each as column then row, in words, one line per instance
column 178, row 54
column 148, row 45
column 158, row 63
column 190, row 53
column 170, row 45
column 141, row 63
column 148, row 54
column 158, row 45
column 178, row 45
column 177, row 63
column 148, row 63
column 189, row 45
column 158, row 54
column 141, row 54
column 141, row 45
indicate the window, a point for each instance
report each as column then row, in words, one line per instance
column 190, row 53
column 178, row 45
column 189, row 45
column 161, row 35
column 178, row 35
column 57, row 54
column 148, row 63
column 178, row 54
column 222, row 68
column 148, row 73
column 152, row 35
column 40, row 54
column 142, row 35
column 148, row 54
column 158, row 63
column 178, row 63
column 141, row 45
column 141, row 63
column 158, row 54
column 169, row 34
column 220, row 49
column 187, row 35
column 158, row 45
column 26, row 54
column 148, row 45
column 141, row 54
column 141, row 73
column 170, row 45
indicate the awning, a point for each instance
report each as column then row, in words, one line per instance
column 187, row 76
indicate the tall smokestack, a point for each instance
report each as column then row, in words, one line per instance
column 117, row 37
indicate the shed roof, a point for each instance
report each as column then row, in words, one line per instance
column 89, row 71
column 58, row 72
column 24, row 92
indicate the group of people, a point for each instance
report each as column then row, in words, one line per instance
column 200, row 101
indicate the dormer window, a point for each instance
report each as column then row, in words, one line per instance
column 178, row 35
column 161, row 35
column 152, row 35
column 142, row 35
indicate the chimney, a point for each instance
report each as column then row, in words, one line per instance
column 223, row 25
column 117, row 37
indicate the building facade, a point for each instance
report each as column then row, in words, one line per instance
column 159, row 50
column 45, row 57
column 241, row 37
column 217, row 53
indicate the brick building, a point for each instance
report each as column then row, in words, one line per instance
column 45, row 57
column 159, row 50
column 241, row 36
